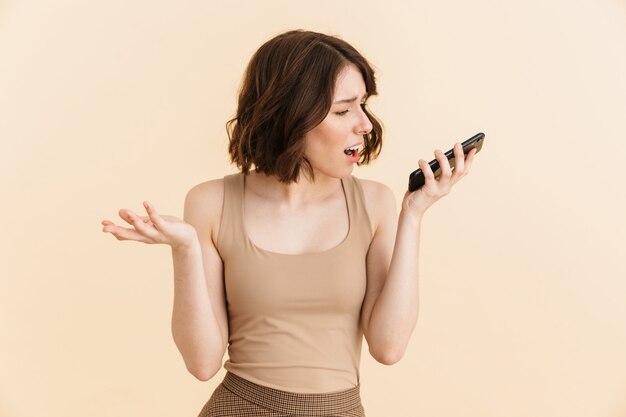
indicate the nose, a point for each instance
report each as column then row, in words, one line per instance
column 364, row 125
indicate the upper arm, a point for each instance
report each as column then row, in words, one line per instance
column 381, row 205
column 203, row 210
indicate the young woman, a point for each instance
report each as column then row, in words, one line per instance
column 290, row 262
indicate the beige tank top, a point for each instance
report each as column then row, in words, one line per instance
column 294, row 319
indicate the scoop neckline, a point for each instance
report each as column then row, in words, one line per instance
column 269, row 252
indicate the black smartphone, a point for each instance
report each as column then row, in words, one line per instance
column 416, row 178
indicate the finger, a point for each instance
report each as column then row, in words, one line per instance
column 107, row 226
column 122, row 233
column 143, row 228
column 125, row 214
column 153, row 215
column 444, row 164
column 427, row 171
column 470, row 160
column 459, row 161
column 129, row 217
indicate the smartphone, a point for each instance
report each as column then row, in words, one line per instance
column 416, row 178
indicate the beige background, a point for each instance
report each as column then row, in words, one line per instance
column 106, row 104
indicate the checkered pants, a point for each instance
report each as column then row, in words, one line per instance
column 238, row 397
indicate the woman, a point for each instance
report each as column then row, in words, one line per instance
column 288, row 265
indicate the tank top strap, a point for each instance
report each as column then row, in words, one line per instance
column 231, row 228
column 360, row 219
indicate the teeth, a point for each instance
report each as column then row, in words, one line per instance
column 351, row 150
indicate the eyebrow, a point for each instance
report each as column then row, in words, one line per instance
column 349, row 100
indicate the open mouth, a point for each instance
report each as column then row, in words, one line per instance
column 353, row 150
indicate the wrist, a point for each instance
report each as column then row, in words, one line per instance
column 186, row 245
column 411, row 216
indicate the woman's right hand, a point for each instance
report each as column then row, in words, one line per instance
column 153, row 228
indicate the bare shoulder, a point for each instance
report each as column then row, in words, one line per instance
column 380, row 201
column 203, row 207
column 375, row 188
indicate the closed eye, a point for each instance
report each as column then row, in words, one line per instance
column 343, row 112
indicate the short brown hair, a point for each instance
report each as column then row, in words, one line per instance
column 287, row 90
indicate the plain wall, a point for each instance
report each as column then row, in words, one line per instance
column 522, row 285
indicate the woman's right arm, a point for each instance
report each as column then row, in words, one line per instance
column 199, row 317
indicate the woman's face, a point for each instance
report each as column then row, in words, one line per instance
column 327, row 145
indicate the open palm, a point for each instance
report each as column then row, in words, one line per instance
column 152, row 229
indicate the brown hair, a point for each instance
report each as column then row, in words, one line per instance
column 287, row 90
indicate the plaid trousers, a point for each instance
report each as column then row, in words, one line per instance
column 238, row 397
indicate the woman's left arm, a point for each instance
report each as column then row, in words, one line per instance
column 390, row 308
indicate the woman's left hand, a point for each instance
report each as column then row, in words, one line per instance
column 418, row 201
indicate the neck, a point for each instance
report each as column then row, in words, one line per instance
column 295, row 194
